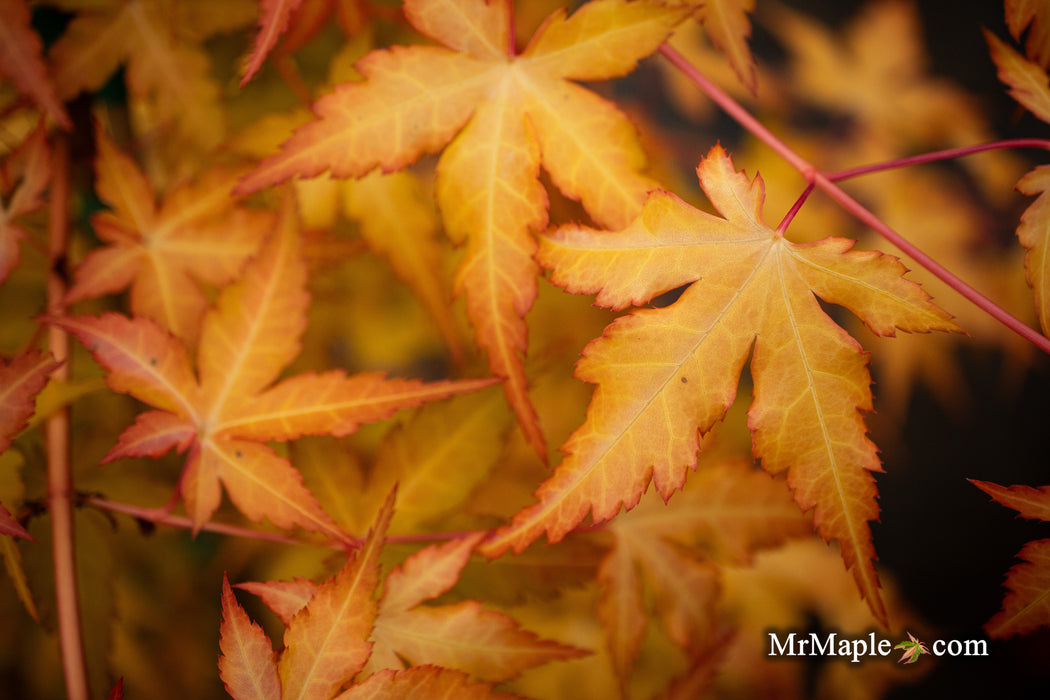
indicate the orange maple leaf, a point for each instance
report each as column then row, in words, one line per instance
column 21, row 380
column 294, row 22
column 24, row 175
column 168, row 71
column 1033, row 15
column 728, row 27
column 1027, row 606
column 1032, row 232
column 457, row 642
column 274, row 17
column 163, row 252
column 226, row 418
column 665, row 376
column 501, row 116
column 727, row 511
column 486, row 644
column 1030, row 86
column 20, row 60
column 326, row 641
column 1027, row 80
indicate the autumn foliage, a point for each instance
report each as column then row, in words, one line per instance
column 464, row 348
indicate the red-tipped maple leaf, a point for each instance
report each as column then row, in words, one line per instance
column 21, row 61
column 164, row 252
column 502, row 117
column 21, row 380
column 1027, row 606
column 274, row 17
column 727, row 24
column 326, row 642
column 1030, row 86
column 1027, row 80
column 226, row 418
column 665, row 376
column 457, row 642
column 487, row 644
column 24, row 175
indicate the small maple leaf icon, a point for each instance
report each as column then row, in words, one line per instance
column 913, row 649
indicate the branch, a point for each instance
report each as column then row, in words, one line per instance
column 56, row 429
column 827, row 184
column 163, row 516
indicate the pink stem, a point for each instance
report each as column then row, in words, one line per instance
column 947, row 154
column 56, row 428
column 825, row 182
column 163, row 516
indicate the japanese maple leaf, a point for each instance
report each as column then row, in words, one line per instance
column 874, row 70
column 295, row 22
column 1027, row 606
column 728, row 27
column 1034, row 234
column 465, row 436
column 1033, row 15
column 913, row 649
column 728, row 511
column 665, row 376
column 457, row 642
column 165, row 251
column 1027, row 80
column 1030, row 86
column 326, row 641
column 274, row 17
column 24, row 175
column 487, row 644
column 501, row 117
column 21, row 60
column 168, row 71
column 21, row 380
column 225, row 419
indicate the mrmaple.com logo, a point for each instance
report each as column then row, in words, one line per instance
column 868, row 647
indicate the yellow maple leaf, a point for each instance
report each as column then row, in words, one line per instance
column 225, row 418
column 665, row 376
column 163, row 250
column 728, row 26
column 168, row 71
column 728, row 511
column 501, row 116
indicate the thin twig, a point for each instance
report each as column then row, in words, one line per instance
column 935, row 156
column 164, row 516
column 825, row 183
column 56, row 428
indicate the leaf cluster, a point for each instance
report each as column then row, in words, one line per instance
column 463, row 336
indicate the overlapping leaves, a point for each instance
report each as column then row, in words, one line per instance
column 665, row 376
column 226, row 418
column 501, row 116
column 336, row 631
column 164, row 252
